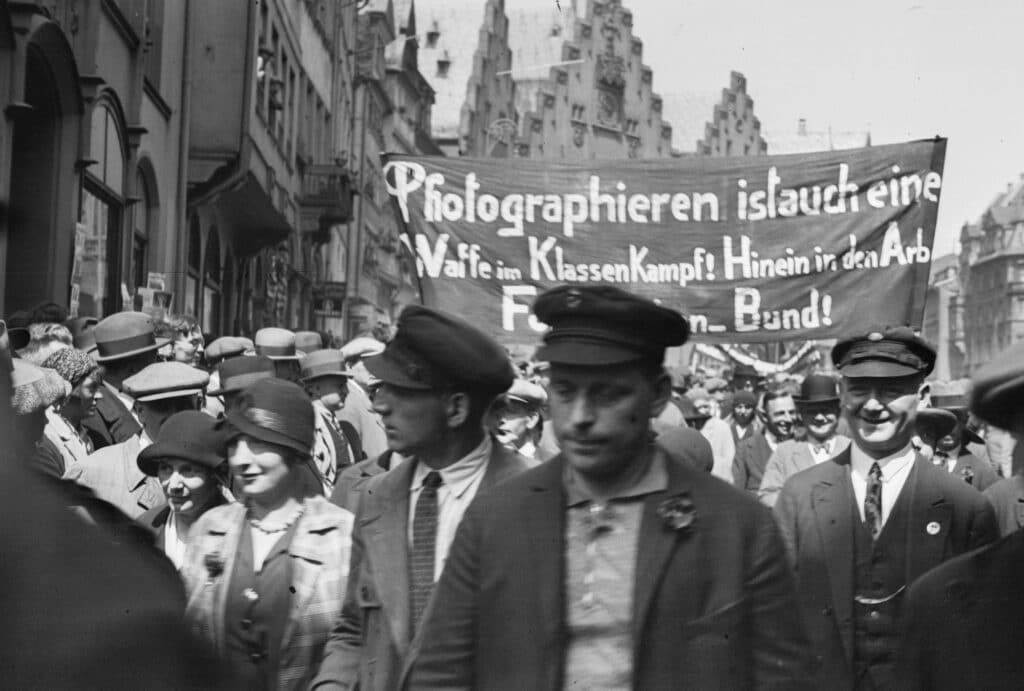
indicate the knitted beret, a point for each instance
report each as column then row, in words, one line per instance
column 72, row 364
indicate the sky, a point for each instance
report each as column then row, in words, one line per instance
column 900, row 69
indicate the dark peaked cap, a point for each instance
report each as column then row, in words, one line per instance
column 997, row 394
column 887, row 352
column 436, row 350
column 603, row 325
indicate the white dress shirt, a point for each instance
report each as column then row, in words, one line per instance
column 895, row 471
column 826, row 452
column 174, row 544
column 459, row 484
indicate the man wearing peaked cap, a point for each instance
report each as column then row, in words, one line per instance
column 438, row 377
column 979, row 593
column 159, row 391
column 126, row 342
column 863, row 525
column 326, row 381
column 596, row 568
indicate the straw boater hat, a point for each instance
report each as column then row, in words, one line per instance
column 277, row 344
column 324, row 363
column 125, row 335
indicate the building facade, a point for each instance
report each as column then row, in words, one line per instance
column 992, row 278
column 90, row 150
column 942, row 325
column 581, row 88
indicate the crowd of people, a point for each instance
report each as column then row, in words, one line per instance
column 420, row 511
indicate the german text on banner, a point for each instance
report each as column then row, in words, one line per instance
column 751, row 249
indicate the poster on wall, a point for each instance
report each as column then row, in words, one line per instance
column 751, row 249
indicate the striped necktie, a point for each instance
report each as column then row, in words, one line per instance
column 424, row 541
column 873, row 501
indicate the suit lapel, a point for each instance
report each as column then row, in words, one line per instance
column 307, row 560
column 832, row 501
column 927, row 535
column 388, row 542
column 544, row 508
column 503, row 464
column 655, row 547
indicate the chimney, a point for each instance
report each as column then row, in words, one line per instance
column 801, row 127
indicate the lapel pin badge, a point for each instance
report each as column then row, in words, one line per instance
column 933, row 528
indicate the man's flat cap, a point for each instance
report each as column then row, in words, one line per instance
column 434, row 350
column 223, row 348
column 603, row 325
column 889, row 352
column 997, row 394
column 527, row 392
column 166, row 380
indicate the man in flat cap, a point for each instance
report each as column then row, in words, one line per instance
column 517, row 420
column 126, row 342
column 112, row 473
column 438, row 378
column 963, row 619
column 612, row 565
column 862, row 526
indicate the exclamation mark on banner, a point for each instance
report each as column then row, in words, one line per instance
column 826, row 310
column 709, row 261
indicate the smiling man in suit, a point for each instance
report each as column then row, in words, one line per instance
column 612, row 565
column 437, row 378
column 863, row 525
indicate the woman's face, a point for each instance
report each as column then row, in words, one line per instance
column 189, row 487
column 262, row 469
column 83, row 399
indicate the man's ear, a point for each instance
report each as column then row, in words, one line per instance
column 457, row 409
column 662, row 394
column 534, row 422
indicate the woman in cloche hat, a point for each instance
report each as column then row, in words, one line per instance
column 266, row 577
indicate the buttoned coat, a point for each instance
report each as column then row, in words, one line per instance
column 816, row 510
column 113, row 474
column 320, row 554
column 371, row 640
column 1007, row 498
column 980, row 471
column 714, row 603
column 962, row 628
column 748, row 464
column 790, row 458
column 352, row 479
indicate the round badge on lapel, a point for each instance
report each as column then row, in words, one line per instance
column 933, row 528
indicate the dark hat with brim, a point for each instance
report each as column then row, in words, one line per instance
column 884, row 353
column 236, row 374
column 435, row 350
column 997, row 393
column 188, row 436
column 933, row 424
column 817, row 388
column 124, row 335
column 603, row 325
column 277, row 412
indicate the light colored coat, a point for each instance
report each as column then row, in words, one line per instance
column 789, row 459
column 113, row 474
column 320, row 554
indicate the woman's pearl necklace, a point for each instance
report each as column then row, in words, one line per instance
column 279, row 528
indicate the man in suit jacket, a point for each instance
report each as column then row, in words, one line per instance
column 963, row 623
column 438, row 378
column 752, row 454
column 818, row 407
column 612, row 565
column 863, row 525
column 1007, row 496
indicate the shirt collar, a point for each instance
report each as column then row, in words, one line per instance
column 828, row 445
column 654, row 479
column 890, row 465
column 460, row 475
column 773, row 443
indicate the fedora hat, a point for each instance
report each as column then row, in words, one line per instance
column 308, row 341
column 818, row 388
column 124, row 335
column 189, row 436
column 933, row 424
column 323, row 363
column 238, row 373
column 276, row 344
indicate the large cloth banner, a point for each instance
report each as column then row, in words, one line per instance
column 751, row 249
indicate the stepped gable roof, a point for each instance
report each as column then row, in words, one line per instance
column 537, row 30
column 458, row 24
column 689, row 112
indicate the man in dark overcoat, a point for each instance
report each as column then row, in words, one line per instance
column 963, row 627
column 612, row 565
column 438, row 378
column 863, row 525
